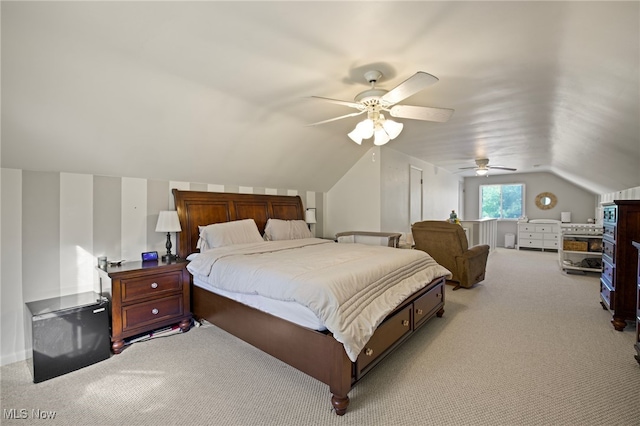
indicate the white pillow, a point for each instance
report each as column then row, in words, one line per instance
column 277, row 230
column 228, row 233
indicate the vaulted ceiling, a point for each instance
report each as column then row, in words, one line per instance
column 218, row 92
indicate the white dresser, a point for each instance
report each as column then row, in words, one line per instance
column 539, row 234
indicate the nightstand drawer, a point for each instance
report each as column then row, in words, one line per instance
column 147, row 313
column 155, row 285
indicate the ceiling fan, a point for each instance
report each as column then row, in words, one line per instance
column 482, row 167
column 373, row 101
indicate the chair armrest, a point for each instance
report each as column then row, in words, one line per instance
column 479, row 250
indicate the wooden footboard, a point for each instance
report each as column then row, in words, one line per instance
column 316, row 353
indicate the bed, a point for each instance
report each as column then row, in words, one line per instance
column 312, row 350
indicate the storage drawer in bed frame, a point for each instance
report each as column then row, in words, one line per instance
column 399, row 325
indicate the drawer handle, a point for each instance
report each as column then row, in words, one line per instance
column 419, row 311
column 155, row 311
column 405, row 323
column 368, row 352
column 438, row 295
column 154, row 285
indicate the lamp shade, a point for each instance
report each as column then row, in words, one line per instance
column 168, row 222
column 310, row 216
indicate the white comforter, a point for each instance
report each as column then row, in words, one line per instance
column 350, row 287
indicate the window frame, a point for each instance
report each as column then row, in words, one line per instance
column 480, row 200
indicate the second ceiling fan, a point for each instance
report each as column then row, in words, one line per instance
column 374, row 101
column 482, row 167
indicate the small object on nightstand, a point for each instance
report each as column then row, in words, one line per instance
column 168, row 222
column 150, row 256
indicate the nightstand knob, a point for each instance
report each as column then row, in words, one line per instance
column 154, row 311
column 368, row 352
column 405, row 323
column 419, row 311
column 154, row 285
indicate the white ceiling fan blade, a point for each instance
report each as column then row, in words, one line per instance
column 467, row 168
column 410, row 86
column 502, row 168
column 339, row 102
column 353, row 114
column 440, row 115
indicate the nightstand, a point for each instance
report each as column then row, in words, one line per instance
column 146, row 296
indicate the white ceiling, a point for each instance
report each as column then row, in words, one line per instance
column 217, row 92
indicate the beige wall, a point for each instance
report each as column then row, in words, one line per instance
column 374, row 194
column 571, row 198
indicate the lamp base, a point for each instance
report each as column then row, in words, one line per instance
column 167, row 258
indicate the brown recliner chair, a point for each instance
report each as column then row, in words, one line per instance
column 447, row 244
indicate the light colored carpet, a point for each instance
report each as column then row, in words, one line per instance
column 528, row 346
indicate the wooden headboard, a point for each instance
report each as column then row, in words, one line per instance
column 199, row 208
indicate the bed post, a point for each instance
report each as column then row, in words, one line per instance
column 340, row 379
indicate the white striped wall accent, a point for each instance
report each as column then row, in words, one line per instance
column 55, row 224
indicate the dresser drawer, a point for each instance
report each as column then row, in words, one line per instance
column 532, row 235
column 530, row 243
column 144, row 314
column 609, row 232
column 608, row 274
column 606, row 294
column 610, row 214
column 526, row 228
column 156, row 285
column 425, row 306
column 546, row 229
column 608, row 250
column 550, row 243
column 388, row 333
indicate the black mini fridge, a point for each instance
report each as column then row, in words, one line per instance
column 67, row 333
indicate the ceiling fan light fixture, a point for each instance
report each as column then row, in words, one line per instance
column 366, row 128
column 482, row 172
column 355, row 136
column 393, row 128
column 381, row 137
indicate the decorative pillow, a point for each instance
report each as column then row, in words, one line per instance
column 228, row 233
column 278, row 229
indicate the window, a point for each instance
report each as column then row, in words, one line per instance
column 502, row 201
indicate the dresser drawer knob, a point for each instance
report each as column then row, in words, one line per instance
column 155, row 311
column 439, row 295
column 154, row 285
column 419, row 311
column 405, row 323
column 368, row 352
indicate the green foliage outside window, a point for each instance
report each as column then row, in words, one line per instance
column 502, row 201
